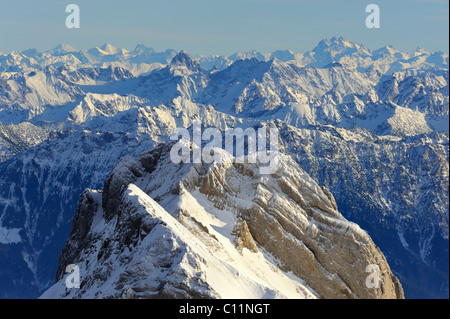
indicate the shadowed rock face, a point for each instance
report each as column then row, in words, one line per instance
column 154, row 233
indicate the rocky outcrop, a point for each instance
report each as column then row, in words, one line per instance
column 243, row 238
column 165, row 230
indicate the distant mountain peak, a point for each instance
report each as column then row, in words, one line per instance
column 331, row 50
column 143, row 49
column 283, row 55
column 249, row 55
column 109, row 48
column 64, row 47
column 183, row 59
column 61, row 49
column 335, row 43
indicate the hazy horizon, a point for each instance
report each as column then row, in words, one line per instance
column 206, row 27
column 214, row 53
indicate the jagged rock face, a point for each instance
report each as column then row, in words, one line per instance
column 165, row 230
column 243, row 236
column 408, row 223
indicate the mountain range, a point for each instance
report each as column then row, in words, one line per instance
column 368, row 126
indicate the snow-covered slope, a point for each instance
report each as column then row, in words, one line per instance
column 26, row 94
column 216, row 231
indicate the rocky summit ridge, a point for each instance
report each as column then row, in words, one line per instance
column 221, row 230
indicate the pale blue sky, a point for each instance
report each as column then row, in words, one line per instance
column 223, row 26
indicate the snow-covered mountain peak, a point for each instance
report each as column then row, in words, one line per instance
column 333, row 50
column 252, row 54
column 277, row 236
column 388, row 51
column 182, row 59
column 284, row 55
column 108, row 48
column 338, row 45
column 61, row 49
column 142, row 49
